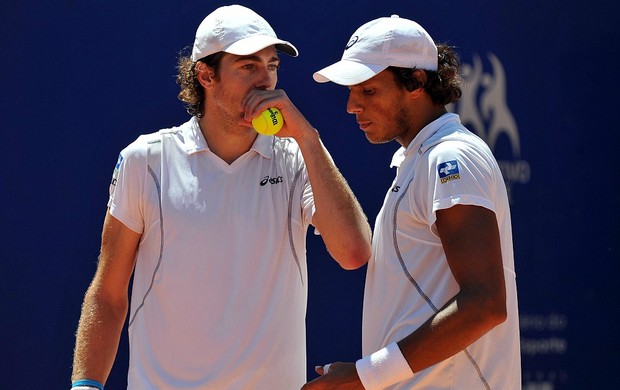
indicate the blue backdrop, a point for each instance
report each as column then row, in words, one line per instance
column 80, row 80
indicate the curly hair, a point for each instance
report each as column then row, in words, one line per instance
column 444, row 85
column 192, row 93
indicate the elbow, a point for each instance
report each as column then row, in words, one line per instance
column 352, row 264
column 112, row 303
column 498, row 315
column 495, row 311
column 355, row 258
column 351, row 250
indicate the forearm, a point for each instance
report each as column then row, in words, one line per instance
column 457, row 325
column 339, row 216
column 470, row 239
column 97, row 337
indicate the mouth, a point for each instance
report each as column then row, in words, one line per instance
column 364, row 125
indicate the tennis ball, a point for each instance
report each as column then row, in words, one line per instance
column 268, row 122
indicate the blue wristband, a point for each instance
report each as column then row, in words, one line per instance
column 87, row 382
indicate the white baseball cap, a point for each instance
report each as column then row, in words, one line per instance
column 378, row 44
column 236, row 30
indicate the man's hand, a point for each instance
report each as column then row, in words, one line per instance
column 340, row 376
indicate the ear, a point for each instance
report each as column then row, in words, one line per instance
column 205, row 75
column 420, row 76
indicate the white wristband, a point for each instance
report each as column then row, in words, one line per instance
column 383, row 368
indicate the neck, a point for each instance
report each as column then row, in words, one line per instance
column 421, row 120
column 433, row 115
column 228, row 141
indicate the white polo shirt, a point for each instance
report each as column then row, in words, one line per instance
column 220, row 285
column 408, row 277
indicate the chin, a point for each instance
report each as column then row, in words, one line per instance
column 376, row 140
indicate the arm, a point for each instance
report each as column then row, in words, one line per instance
column 338, row 216
column 105, row 304
column 470, row 238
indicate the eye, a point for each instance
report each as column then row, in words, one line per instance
column 273, row 67
column 368, row 91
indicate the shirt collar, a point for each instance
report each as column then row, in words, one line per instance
column 263, row 145
column 195, row 141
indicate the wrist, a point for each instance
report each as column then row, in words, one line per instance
column 383, row 368
column 309, row 135
column 86, row 384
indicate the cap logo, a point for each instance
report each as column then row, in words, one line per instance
column 352, row 42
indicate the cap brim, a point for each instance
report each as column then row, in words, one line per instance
column 257, row 43
column 347, row 73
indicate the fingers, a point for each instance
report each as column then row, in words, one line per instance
column 322, row 370
column 257, row 101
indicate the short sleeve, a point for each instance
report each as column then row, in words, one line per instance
column 458, row 174
column 126, row 201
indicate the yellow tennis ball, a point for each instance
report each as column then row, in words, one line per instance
column 268, row 122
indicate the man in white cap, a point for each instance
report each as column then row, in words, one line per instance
column 440, row 303
column 212, row 216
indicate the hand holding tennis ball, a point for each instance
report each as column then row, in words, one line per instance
column 269, row 122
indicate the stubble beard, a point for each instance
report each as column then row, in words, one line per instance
column 399, row 131
column 231, row 119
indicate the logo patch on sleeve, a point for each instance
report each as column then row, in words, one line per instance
column 448, row 170
column 119, row 161
column 115, row 173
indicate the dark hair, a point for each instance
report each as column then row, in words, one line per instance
column 444, row 85
column 192, row 93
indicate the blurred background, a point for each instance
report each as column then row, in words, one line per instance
column 81, row 80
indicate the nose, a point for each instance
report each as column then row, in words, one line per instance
column 353, row 105
column 265, row 78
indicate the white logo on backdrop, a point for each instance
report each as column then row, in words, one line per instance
column 483, row 108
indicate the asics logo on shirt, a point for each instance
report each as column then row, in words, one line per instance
column 270, row 180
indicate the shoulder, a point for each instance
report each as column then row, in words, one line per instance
column 138, row 148
column 285, row 154
column 285, row 144
column 286, row 148
column 141, row 145
column 455, row 142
